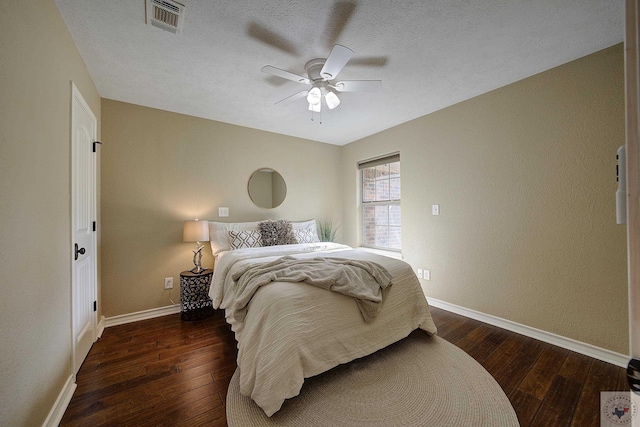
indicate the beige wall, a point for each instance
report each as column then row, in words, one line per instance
column 525, row 179
column 160, row 169
column 39, row 61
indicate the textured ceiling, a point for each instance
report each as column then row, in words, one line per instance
column 428, row 54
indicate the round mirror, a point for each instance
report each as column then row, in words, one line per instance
column 267, row 188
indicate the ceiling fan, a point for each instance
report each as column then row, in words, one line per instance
column 321, row 74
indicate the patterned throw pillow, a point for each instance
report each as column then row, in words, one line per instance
column 304, row 235
column 278, row 232
column 244, row 239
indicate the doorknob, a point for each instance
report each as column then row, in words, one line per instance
column 80, row 251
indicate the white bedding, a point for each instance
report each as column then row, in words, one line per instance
column 292, row 331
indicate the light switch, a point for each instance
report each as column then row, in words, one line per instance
column 223, row 212
column 435, row 209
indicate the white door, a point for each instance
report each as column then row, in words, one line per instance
column 83, row 215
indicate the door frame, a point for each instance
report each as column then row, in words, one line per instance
column 632, row 99
column 78, row 101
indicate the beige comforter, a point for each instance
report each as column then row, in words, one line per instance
column 291, row 331
column 361, row 280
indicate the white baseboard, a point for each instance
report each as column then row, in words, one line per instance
column 100, row 328
column 62, row 402
column 141, row 315
column 548, row 337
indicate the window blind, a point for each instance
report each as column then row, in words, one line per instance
column 389, row 158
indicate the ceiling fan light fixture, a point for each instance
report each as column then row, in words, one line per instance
column 321, row 72
column 314, row 96
column 332, row 100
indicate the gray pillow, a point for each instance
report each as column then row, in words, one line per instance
column 278, row 232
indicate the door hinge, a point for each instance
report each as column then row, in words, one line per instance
column 95, row 306
column 94, row 145
column 94, row 226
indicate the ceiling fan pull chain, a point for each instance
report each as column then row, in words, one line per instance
column 319, row 115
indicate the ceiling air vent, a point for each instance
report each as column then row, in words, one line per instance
column 165, row 14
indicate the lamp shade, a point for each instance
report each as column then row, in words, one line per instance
column 195, row 231
column 315, row 108
column 332, row 100
column 314, row 96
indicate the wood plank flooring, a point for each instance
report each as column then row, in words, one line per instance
column 167, row 372
column 547, row 385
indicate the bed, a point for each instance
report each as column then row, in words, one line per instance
column 289, row 331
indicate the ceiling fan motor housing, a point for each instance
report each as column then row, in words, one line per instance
column 313, row 69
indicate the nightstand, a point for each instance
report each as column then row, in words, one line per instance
column 194, row 295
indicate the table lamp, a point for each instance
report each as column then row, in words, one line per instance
column 196, row 231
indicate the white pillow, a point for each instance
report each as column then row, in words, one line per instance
column 245, row 239
column 306, row 225
column 219, row 233
column 304, row 235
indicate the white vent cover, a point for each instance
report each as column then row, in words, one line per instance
column 165, row 14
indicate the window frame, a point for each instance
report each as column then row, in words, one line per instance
column 362, row 166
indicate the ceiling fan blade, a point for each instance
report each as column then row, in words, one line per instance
column 358, row 85
column 289, row 99
column 285, row 74
column 337, row 59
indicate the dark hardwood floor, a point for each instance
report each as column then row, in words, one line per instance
column 167, row 372
column 158, row 372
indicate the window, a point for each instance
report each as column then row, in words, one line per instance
column 381, row 203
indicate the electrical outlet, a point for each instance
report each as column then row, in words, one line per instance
column 427, row 275
column 223, row 212
column 168, row 282
column 419, row 273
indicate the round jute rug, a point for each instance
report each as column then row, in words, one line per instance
column 419, row 381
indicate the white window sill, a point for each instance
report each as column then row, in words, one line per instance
column 390, row 254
